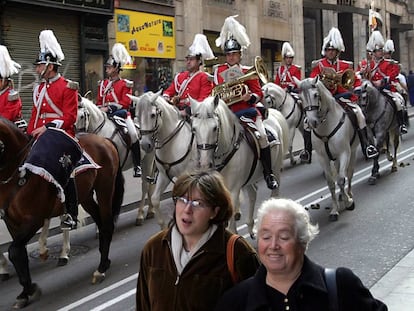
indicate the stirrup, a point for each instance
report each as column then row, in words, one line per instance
column 68, row 223
column 305, row 156
column 137, row 171
column 371, row 152
column 403, row 129
column 271, row 181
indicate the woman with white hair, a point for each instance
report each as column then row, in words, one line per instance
column 287, row 279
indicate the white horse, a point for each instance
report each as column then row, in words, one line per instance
column 335, row 141
column 276, row 97
column 92, row 120
column 222, row 144
column 382, row 122
column 164, row 130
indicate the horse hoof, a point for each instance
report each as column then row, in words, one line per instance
column 4, row 277
column 44, row 256
column 394, row 169
column 351, row 207
column 150, row 215
column 62, row 261
column 23, row 299
column 333, row 217
column 139, row 222
column 97, row 277
column 372, row 180
column 237, row 216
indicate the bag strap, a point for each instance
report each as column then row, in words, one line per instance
column 330, row 279
column 230, row 257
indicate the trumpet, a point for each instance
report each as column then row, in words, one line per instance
column 232, row 92
column 332, row 79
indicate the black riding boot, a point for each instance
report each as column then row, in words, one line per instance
column 70, row 217
column 265, row 158
column 401, row 121
column 306, row 154
column 136, row 158
column 368, row 149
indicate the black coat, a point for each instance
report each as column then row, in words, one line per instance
column 308, row 293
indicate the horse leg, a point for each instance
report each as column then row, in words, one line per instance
column 146, row 191
column 333, row 215
column 372, row 180
column 160, row 187
column 252, row 194
column 4, row 273
column 18, row 256
column 290, row 148
column 396, row 143
column 236, row 201
column 43, row 250
column 64, row 253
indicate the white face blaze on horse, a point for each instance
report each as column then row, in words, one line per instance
column 334, row 140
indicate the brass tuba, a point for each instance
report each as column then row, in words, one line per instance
column 232, row 92
column 332, row 79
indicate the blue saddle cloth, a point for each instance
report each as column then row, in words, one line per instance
column 54, row 156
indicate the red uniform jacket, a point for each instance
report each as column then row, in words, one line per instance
column 253, row 85
column 55, row 101
column 285, row 74
column 197, row 86
column 114, row 92
column 339, row 66
column 10, row 104
column 385, row 68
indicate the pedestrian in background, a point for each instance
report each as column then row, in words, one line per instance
column 287, row 278
column 185, row 266
column 410, row 85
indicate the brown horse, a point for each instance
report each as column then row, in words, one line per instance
column 27, row 201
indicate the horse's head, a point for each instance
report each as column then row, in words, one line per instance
column 368, row 93
column 82, row 119
column 148, row 116
column 273, row 95
column 205, row 125
column 313, row 94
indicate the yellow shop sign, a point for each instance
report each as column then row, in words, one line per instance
column 146, row 35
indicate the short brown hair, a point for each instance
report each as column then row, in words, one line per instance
column 211, row 185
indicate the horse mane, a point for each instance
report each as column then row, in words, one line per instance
column 275, row 91
column 95, row 113
column 230, row 126
column 150, row 97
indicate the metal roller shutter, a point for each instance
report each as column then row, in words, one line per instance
column 21, row 28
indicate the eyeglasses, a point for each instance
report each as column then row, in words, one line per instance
column 193, row 203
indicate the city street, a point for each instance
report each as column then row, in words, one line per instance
column 370, row 240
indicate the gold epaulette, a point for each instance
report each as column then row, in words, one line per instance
column 297, row 66
column 129, row 83
column 392, row 61
column 13, row 95
column 315, row 62
column 72, row 85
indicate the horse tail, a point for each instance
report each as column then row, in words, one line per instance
column 118, row 194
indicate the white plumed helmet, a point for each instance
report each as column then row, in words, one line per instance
column 376, row 41
column 389, row 46
column 50, row 49
column 287, row 50
column 200, row 47
column 119, row 57
column 233, row 36
column 8, row 66
column 333, row 41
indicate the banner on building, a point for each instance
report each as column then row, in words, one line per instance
column 145, row 34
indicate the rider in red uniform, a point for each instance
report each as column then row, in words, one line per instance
column 113, row 98
column 384, row 75
column 245, row 107
column 55, row 105
column 332, row 46
column 10, row 102
column 284, row 78
column 193, row 82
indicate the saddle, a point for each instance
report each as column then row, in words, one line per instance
column 252, row 134
column 350, row 113
column 120, row 125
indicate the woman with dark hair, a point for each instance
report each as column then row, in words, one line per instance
column 185, row 266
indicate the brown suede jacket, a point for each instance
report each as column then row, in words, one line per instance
column 202, row 282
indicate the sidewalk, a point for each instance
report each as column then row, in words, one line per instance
column 395, row 288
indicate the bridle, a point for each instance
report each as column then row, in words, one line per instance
column 214, row 145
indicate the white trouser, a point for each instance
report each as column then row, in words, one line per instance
column 132, row 131
column 263, row 141
column 359, row 114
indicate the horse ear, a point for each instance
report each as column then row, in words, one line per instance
column 315, row 80
column 297, row 81
column 216, row 101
